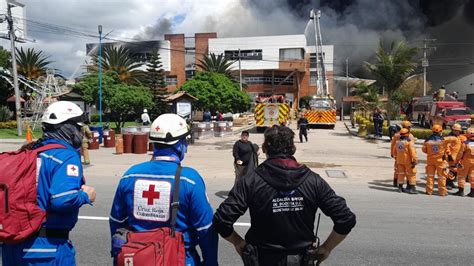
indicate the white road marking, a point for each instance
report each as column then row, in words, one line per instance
column 98, row 218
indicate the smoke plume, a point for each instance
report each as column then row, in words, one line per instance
column 155, row 31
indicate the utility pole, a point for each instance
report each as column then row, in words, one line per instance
column 347, row 76
column 240, row 71
column 11, row 33
column 100, row 74
column 424, row 61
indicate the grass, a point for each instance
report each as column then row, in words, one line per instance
column 11, row 133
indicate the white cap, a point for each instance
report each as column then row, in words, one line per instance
column 62, row 111
column 168, row 129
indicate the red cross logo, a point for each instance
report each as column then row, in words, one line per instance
column 180, row 124
column 73, row 168
column 157, row 128
column 69, row 110
column 151, row 194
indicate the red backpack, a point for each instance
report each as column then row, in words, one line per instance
column 20, row 215
column 161, row 246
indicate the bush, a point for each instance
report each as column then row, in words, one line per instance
column 96, row 118
column 8, row 125
column 5, row 114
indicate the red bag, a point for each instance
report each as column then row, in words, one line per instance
column 20, row 215
column 162, row 246
column 150, row 248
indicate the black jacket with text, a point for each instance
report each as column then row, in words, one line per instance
column 283, row 197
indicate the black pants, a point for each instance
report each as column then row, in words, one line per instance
column 303, row 133
column 378, row 128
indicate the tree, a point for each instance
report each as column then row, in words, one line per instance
column 216, row 92
column 122, row 102
column 6, row 90
column 32, row 63
column 155, row 81
column 413, row 87
column 216, row 64
column 369, row 95
column 392, row 67
column 118, row 59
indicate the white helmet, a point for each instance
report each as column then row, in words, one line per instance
column 168, row 129
column 62, row 111
column 145, row 110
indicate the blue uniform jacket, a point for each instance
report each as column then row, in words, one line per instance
column 142, row 202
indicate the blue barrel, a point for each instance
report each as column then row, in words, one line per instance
column 101, row 132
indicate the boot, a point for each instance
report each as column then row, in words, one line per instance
column 395, row 182
column 449, row 184
column 400, row 188
column 471, row 194
column 411, row 189
column 460, row 192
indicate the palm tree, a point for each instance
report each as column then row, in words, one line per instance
column 118, row 59
column 31, row 63
column 393, row 66
column 216, row 64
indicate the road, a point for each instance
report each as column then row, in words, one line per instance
column 392, row 228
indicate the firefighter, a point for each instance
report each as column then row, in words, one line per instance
column 405, row 124
column 454, row 143
column 467, row 161
column 436, row 149
column 406, row 160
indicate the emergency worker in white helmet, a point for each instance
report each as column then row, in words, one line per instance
column 168, row 134
column 61, row 190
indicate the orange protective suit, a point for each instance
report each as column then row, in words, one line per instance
column 406, row 159
column 467, row 161
column 454, row 144
column 436, row 150
column 393, row 146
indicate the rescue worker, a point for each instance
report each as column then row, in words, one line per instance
column 61, row 190
column 467, row 162
column 86, row 137
column 145, row 118
column 405, row 124
column 436, row 149
column 168, row 134
column 302, row 125
column 282, row 197
column 406, row 160
column 454, row 142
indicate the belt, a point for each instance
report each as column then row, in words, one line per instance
column 53, row 233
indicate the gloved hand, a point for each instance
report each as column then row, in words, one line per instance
column 450, row 158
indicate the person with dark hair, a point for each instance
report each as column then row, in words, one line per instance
column 283, row 197
column 245, row 155
column 302, row 125
column 378, row 118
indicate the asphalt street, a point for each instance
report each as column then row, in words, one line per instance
column 392, row 228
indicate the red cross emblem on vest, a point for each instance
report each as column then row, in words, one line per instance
column 151, row 194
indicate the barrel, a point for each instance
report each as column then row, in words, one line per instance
column 100, row 131
column 128, row 142
column 109, row 138
column 94, row 144
column 150, row 146
column 140, row 143
column 118, row 144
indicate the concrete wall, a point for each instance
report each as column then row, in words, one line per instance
column 463, row 86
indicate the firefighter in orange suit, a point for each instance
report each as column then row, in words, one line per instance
column 405, row 124
column 436, row 149
column 406, row 160
column 454, row 143
column 467, row 162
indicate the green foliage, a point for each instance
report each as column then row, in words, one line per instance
column 392, row 67
column 32, row 63
column 6, row 90
column 5, row 114
column 8, row 125
column 122, row 101
column 216, row 64
column 216, row 92
column 304, row 102
column 126, row 102
column 118, row 59
column 155, row 81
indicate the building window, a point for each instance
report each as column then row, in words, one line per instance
column 251, row 80
column 313, row 60
column 171, row 80
column 291, row 54
column 190, row 74
column 313, row 78
column 244, row 54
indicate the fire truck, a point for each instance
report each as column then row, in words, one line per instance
column 271, row 111
column 322, row 111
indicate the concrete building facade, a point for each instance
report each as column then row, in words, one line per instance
column 270, row 65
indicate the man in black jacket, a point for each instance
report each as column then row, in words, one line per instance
column 283, row 197
column 302, row 125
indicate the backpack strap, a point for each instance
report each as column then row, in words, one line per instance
column 49, row 147
column 175, row 203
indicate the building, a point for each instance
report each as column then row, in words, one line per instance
column 269, row 65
